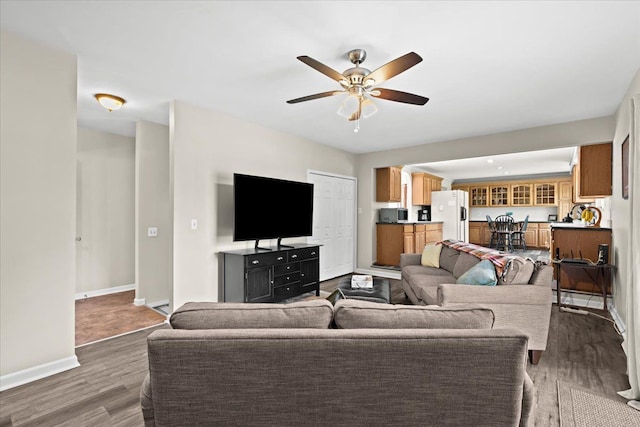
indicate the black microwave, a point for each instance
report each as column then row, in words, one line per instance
column 393, row 215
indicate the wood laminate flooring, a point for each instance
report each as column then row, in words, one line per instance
column 110, row 315
column 104, row 390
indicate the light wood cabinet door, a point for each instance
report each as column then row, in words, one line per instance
column 531, row 236
column 419, row 237
column 389, row 184
column 422, row 186
column 436, row 184
column 499, row 195
column 389, row 243
column 564, row 207
column 545, row 194
column 475, row 233
column 544, row 236
column 564, row 190
column 521, row 194
column 479, row 196
column 433, row 233
column 409, row 246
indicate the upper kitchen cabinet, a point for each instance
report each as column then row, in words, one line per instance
column 592, row 172
column 545, row 194
column 389, row 184
column 499, row 195
column 479, row 196
column 422, row 184
column 521, row 195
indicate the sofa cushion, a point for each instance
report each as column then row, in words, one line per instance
column 483, row 273
column 353, row 314
column 519, row 271
column 448, row 258
column 210, row 315
column 464, row 263
column 425, row 284
column 431, row 255
column 416, row 270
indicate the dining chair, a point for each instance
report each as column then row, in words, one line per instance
column 504, row 230
column 518, row 235
column 492, row 229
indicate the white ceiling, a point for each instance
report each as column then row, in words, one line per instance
column 488, row 66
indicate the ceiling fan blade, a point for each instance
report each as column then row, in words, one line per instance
column 398, row 96
column 393, row 68
column 319, row 66
column 314, row 96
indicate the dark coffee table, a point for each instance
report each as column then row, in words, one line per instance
column 379, row 293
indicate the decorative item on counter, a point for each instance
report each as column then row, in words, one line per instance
column 567, row 218
column 591, row 216
column 552, row 218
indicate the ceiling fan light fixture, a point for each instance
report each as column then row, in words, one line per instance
column 349, row 106
column 368, row 108
column 110, row 102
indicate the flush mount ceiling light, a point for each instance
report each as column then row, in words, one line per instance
column 358, row 82
column 110, row 102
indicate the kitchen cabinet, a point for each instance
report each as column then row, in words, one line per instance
column 565, row 199
column 422, row 184
column 395, row 239
column 479, row 196
column 593, row 171
column 545, row 194
column 544, row 236
column 531, row 235
column 432, row 234
column 389, row 184
column 521, row 194
column 499, row 195
column 476, row 232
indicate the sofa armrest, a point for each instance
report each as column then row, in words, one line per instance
column 410, row 259
column 503, row 294
column 528, row 402
column 146, row 403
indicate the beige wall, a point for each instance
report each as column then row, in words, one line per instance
column 105, row 210
column 37, row 199
column 539, row 138
column 621, row 208
column 207, row 148
column 154, row 255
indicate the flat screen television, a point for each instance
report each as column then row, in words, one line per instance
column 269, row 208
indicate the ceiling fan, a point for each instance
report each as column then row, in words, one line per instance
column 359, row 83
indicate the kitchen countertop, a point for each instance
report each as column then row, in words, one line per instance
column 576, row 225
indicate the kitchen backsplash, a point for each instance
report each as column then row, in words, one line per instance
column 535, row 213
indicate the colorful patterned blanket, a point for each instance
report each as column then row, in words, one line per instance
column 500, row 260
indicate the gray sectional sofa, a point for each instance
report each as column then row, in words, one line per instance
column 522, row 299
column 251, row 364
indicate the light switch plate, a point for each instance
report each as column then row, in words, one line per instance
column 152, row 231
column 194, row 224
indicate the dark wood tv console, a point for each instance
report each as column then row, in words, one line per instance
column 252, row 275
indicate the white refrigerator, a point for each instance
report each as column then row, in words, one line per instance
column 452, row 208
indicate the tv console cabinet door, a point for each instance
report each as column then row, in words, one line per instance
column 259, row 284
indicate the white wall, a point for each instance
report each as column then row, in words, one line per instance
column 539, row 138
column 621, row 208
column 105, row 210
column 37, row 209
column 154, row 255
column 207, row 148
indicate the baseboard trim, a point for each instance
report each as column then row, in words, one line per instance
column 580, row 300
column 158, row 303
column 622, row 328
column 139, row 301
column 389, row 274
column 105, row 291
column 37, row 372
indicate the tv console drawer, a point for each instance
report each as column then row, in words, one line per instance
column 287, row 268
column 287, row 278
column 261, row 260
column 287, row 291
column 305, row 253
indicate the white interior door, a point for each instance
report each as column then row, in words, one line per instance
column 334, row 223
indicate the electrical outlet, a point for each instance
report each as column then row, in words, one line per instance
column 152, row 231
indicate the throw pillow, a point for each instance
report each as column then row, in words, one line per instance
column 518, row 271
column 483, row 273
column 431, row 255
